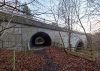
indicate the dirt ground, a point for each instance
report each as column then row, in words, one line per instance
column 48, row 59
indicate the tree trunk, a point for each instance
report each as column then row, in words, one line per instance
column 69, row 35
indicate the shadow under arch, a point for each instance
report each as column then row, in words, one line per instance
column 40, row 39
column 79, row 44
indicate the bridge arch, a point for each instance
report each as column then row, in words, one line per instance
column 40, row 39
column 79, row 44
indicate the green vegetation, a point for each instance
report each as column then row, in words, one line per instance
column 26, row 9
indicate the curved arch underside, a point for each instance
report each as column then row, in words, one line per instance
column 40, row 39
column 80, row 44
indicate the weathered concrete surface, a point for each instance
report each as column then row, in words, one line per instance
column 20, row 35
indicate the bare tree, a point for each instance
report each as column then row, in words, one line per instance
column 67, row 12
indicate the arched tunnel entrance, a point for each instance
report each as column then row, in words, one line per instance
column 80, row 44
column 40, row 39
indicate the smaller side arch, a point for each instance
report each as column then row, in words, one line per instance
column 79, row 44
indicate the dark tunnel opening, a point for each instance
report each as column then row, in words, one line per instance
column 40, row 39
column 80, row 44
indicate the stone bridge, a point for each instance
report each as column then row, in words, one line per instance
column 29, row 33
